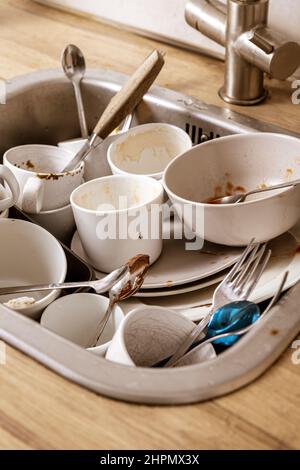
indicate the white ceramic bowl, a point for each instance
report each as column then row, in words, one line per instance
column 76, row 316
column 30, row 255
column 232, row 164
column 147, row 149
column 148, row 335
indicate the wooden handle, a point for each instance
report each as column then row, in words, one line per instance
column 130, row 94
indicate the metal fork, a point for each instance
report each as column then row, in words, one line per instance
column 237, row 285
column 245, row 330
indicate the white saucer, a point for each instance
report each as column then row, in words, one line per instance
column 176, row 265
column 285, row 257
column 191, row 287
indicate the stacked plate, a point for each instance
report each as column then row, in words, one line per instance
column 185, row 280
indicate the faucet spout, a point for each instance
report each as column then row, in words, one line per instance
column 208, row 17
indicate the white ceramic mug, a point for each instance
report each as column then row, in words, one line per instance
column 147, row 149
column 60, row 222
column 76, row 317
column 38, row 169
column 8, row 200
column 149, row 335
column 110, row 232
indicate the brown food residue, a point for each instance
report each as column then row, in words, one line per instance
column 229, row 190
column 29, row 164
column 274, row 332
column 50, row 176
column 138, row 263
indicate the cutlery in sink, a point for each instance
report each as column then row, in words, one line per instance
column 99, row 286
column 73, row 64
column 121, row 105
column 233, row 334
column 237, row 285
column 126, row 287
column 241, row 197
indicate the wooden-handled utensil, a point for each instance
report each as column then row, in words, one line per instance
column 122, row 104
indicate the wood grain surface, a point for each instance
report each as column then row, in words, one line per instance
column 39, row 409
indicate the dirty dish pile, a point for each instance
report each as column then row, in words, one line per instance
column 116, row 195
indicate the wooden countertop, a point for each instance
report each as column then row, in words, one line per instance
column 39, row 409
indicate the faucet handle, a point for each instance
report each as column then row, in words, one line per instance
column 270, row 52
column 261, row 42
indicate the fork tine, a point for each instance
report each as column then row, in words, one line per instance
column 257, row 275
column 241, row 260
column 252, row 271
column 245, row 268
column 251, row 268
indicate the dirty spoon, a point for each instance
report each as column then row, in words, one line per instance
column 126, row 287
column 241, row 197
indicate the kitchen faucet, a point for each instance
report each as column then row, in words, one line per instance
column 251, row 47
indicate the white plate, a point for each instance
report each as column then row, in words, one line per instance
column 285, row 257
column 191, row 287
column 177, row 266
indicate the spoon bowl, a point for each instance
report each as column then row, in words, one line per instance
column 73, row 64
column 241, row 197
column 126, row 287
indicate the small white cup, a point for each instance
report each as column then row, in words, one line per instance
column 59, row 222
column 149, row 335
column 76, row 317
column 112, row 233
column 38, row 170
column 147, row 149
column 8, row 178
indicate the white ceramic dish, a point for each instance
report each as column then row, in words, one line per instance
column 38, row 169
column 114, row 219
column 59, row 222
column 285, row 257
column 76, row 316
column 3, row 213
column 8, row 199
column 96, row 164
column 176, row 266
column 232, row 164
column 149, row 335
column 184, row 288
column 30, row 255
column 147, row 149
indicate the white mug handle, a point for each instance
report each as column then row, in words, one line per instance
column 10, row 179
column 33, row 195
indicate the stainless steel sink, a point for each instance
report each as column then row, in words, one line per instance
column 41, row 109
